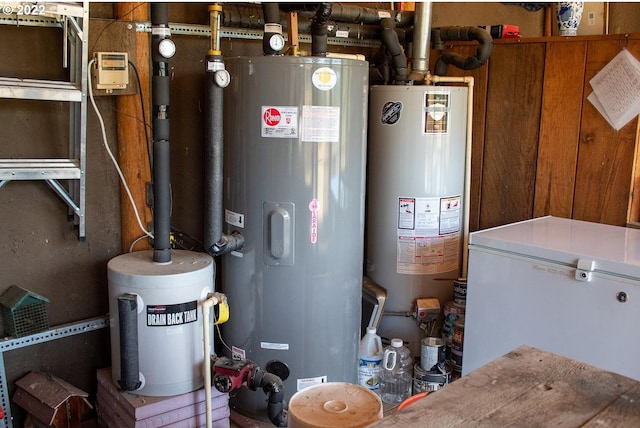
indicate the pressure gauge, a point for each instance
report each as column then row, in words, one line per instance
column 222, row 78
column 276, row 42
column 167, row 48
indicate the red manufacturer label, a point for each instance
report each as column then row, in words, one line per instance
column 271, row 116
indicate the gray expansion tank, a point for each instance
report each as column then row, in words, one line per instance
column 295, row 154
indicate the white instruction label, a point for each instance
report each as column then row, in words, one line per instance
column 234, row 218
column 310, row 381
column 275, row 346
column 428, row 238
column 321, row 124
column 279, row 122
column 238, row 353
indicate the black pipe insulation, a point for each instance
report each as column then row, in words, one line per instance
column 271, row 12
column 348, row 13
column 444, row 34
column 273, row 386
column 160, row 127
column 214, row 155
column 394, row 48
column 319, row 29
column 241, row 16
column 128, row 328
column 216, row 242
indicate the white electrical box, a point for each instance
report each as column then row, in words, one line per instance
column 112, row 70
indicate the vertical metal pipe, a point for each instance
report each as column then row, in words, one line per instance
column 128, row 323
column 161, row 155
column 421, row 37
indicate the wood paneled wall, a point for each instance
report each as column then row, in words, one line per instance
column 539, row 146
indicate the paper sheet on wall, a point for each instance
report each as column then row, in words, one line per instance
column 616, row 90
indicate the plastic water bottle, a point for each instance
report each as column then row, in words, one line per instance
column 369, row 360
column 397, row 373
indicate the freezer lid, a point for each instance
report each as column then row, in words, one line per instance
column 600, row 247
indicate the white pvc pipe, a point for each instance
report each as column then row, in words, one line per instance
column 467, row 165
column 211, row 301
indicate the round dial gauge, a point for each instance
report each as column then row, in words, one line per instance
column 222, row 78
column 276, row 42
column 167, row 48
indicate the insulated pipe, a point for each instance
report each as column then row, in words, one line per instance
column 128, row 327
column 272, row 385
column 272, row 26
column 216, row 243
column 319, row 30
column 421, row 35
column 214, row 153
column 469, row 81
column 347, row 12
column 462, row 34
column 392, row 43
column 211, row 301
column 161, row 155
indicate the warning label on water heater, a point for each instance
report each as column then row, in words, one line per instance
column 428, row 234
column 170, row 315
column 436, row 112
column 279, row 122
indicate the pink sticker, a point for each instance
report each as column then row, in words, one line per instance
column 313, row 207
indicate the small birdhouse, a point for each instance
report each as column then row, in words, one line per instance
column 50, row 401
column 23, row 312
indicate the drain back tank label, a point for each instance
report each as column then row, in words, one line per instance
column 170, row 315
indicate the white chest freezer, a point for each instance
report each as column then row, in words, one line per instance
column 565, row 286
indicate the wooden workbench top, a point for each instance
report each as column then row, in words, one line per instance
column 527, row 387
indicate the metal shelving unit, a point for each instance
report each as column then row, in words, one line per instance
column 11, row 343
column 73, row 18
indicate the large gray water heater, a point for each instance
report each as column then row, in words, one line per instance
column 295, row 148
column 417, row 140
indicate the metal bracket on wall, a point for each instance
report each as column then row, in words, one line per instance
column 249, row 34
column 11, row 343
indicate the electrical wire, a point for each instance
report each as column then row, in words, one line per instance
column 144, row 115
column 220, row 337
column 135, row 241
column 120, row 19
column 113, row 159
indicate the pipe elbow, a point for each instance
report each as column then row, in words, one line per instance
column 392, row 43
column 464, row 34
column 273, row 386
